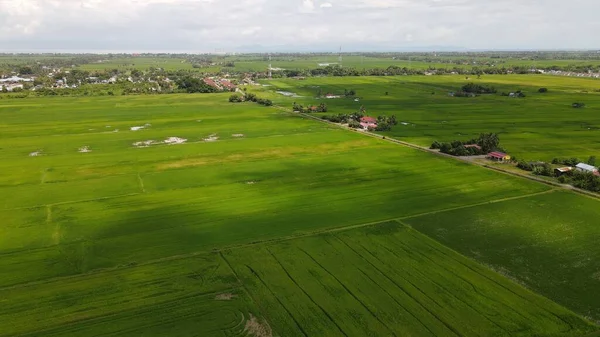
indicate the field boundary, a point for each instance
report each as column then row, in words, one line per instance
column 425, row 149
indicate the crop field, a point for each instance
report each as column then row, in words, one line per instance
column 139, row 215
column 196, row 296
column 389, row 280
column 269, row 174
column 547, row 242
column 537, row 127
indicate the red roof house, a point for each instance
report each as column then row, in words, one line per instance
column 212, row 83
column 368, row 120
column 468, row 146
column 499, row 156
column 228, row 84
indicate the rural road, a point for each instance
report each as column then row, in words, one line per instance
column 463, row 159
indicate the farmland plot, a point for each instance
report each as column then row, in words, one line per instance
column 121, row 204
column 540, row 126
column 389, row 280
column 192, row 297
column 548, row 243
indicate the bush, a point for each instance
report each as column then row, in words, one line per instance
column 543, row 90
column 566, row 161
column 578, row 105
column 478, row 89
column 354, row 124
column 383, row 126
column 435, row 145
column 445, row 148
column 235, row 99
column 525, row 166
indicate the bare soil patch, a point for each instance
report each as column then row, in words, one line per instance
column 258, row 329
column 225, row 297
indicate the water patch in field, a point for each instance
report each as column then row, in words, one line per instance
column 138, row 128
column 211, row 138
column 250, row 182
column 145, row 143
column 36, row 153
column 175, row 140
column 238, row 135
column 288, row 94
column 84, row 149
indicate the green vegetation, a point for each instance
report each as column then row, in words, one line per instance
column 186, row 214
column 547, row 242
column 171, row 298
column 541, row 126
column 389, row 280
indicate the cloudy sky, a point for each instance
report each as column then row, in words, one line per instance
column 296, row 25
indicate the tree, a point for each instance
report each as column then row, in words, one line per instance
column 192, row 85
column 488, row 141
column 445, row 148
column 578, row 105
column 592, row 160
column 543, row 90
column 354, row 124
column 25, row 70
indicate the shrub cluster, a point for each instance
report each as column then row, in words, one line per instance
column 299, row 108
column 487, row 141
column 250, row 97
column 478, row 89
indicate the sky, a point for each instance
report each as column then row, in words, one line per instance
column 203, row 26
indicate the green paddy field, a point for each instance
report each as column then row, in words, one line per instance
column 264, row 223
column 537, row 127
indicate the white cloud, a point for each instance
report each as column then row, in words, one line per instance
column 206, row 25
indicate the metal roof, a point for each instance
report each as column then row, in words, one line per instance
column 587, row 167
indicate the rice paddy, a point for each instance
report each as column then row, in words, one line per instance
column 260, row 223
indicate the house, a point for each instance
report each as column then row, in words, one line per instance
column 562, row 170
column 331, row 96
column 585, row 168
column 473, row 146
column 313, row 108
column 498, row 156
column 228, row 85
column 368, row 123
column 212, row 83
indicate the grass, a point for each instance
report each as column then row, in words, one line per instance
column 547, row 242
column 389, row 280
column 537, row 127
